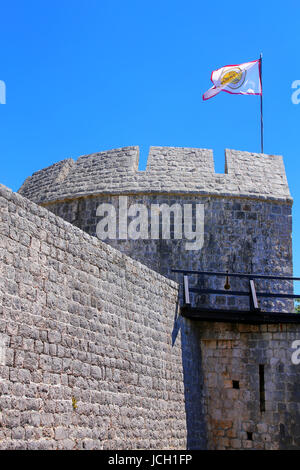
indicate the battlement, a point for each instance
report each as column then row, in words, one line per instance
column 85, row 313
column 170, row 170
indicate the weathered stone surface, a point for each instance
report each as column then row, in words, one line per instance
column 234, row 416
column 169, row 170
column 93, row 351
column 85, row 330
column 247, row 212
column 239, row 236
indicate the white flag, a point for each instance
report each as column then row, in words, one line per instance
column 242, row 79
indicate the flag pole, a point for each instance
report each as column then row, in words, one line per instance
column 261, row 108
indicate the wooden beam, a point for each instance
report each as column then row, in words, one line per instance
column 253, row 298
column 186, row 290
column 238, row 316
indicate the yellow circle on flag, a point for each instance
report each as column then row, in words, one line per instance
column 234, row 78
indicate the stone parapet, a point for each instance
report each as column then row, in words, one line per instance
column 169, row 170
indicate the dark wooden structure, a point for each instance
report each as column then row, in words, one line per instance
column 254, row 315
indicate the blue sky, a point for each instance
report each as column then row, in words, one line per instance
column 87, row 76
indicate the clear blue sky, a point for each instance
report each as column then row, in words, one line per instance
column 87, row 76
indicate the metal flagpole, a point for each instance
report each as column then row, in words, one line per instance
column 261, row 108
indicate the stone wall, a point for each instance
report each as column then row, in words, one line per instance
column 93, row 351
column 240, row 235
column 169, row 170
column 90, row 357
column 251, row 389
column 247, row 212
column 95, row 355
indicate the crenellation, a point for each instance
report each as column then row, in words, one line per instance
column 177, row 159
column 47, row 180
column 169, row 170
column 95, row 352
column 259, row 169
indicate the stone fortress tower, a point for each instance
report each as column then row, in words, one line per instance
column 247, row 210
column 95, row 349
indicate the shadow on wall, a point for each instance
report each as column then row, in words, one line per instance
column 193, row 381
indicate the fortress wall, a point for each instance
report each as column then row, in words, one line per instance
column 169, row 169
column 90, row 357
column 261, row 410
column 248, row 222
column 174, row 159
column 94, row 353
column 240, row 235
column 257, row 170
column 103, row 166
column 46, row 181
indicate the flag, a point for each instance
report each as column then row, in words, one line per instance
column 242, row 79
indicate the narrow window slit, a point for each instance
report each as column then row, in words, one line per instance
column 249, row 436
column 262, row 387
column 235, row 384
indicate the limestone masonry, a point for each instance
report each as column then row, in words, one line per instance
column 247, row 210
column 169, row 170
column 94, row 351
